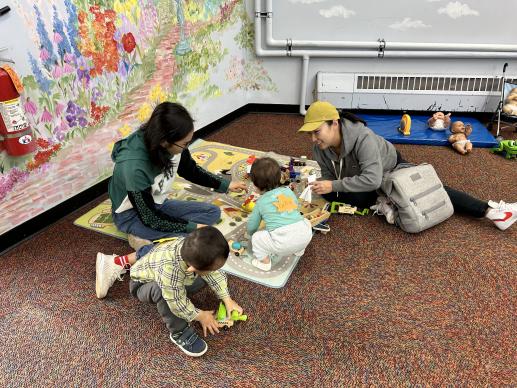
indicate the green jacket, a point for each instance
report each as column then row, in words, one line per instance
column 134, row 172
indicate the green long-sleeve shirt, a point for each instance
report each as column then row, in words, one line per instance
column 137, row 183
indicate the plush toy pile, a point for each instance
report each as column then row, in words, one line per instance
column 510, row 105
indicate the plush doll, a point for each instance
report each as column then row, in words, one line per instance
column 439, row 121
column 510, row 106
column 459, row 140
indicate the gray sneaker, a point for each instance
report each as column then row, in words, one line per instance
column 385, row 207
column 189, row 342
column 136, row 242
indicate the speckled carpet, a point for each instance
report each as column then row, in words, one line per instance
column 367, row 305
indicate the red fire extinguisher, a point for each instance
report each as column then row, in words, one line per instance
column 15, row 132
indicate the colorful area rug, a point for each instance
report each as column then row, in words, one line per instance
column 226, row 160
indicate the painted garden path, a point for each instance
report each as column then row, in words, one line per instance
column 84, row 162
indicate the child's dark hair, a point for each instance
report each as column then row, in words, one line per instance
column 265, row 174
column 170, row 122
column 204, row 248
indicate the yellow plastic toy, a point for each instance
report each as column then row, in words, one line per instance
column 405, row 125
column 249, row 204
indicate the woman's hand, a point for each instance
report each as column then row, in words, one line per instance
column 237, row 186
column 321, row 187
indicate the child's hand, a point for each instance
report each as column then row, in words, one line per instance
column 231, row 305
column 208, row 322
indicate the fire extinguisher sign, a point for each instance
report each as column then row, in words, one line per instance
column 13, row 115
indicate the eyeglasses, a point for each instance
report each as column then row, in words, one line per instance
column 187, row 144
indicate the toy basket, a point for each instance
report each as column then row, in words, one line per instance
column 317, row 216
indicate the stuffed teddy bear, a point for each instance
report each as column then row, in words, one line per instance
column 459, row 140
column 439, row 121
column 510, row 107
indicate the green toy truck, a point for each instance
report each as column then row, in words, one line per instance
column 223, row 321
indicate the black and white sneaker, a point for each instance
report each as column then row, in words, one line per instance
column 189, row 342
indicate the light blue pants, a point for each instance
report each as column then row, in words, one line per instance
column 197, row 212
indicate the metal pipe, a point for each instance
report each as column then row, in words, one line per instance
column 305, row 72
column 259, row 51
column 401, row 54
column 470, row 47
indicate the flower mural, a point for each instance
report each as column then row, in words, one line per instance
column 128, row 42
column 97, row 43
column 107, row 63
column 82, row 66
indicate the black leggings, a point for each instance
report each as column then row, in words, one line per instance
column 462, row 202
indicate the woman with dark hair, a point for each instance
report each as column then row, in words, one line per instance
column 353, row 160
column 145, row 164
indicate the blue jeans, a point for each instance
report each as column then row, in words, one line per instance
column 197, row 212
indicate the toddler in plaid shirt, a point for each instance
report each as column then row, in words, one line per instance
column 165, row 274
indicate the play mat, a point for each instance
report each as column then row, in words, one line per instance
column 230, row 161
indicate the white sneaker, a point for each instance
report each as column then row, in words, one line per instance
column 502, row 214
column 385, row 207
column 106, row 272
column 260, row 265
column 299, row 253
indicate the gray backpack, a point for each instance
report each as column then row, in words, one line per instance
column 419, row 196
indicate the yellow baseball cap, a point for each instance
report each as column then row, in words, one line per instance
column 317, row 114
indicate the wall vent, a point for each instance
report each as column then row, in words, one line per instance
column 411, row 84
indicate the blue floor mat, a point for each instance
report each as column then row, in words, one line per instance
column 386, row 126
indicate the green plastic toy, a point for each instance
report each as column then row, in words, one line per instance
column 508, row 147
column 222, row 319
column 344, row 208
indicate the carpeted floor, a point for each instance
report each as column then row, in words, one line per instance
column 367, row 305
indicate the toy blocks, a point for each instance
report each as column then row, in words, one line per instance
column 317, row 216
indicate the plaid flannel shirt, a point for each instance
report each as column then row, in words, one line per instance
column 165, row 266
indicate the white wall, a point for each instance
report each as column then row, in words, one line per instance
column 426, row 21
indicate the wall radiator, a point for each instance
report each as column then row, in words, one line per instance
column 410, row 91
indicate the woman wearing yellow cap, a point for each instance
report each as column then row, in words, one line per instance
column 353, row 160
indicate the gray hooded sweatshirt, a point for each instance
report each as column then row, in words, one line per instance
column 362, row 162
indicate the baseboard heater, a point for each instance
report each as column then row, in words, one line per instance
column 410, row 91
